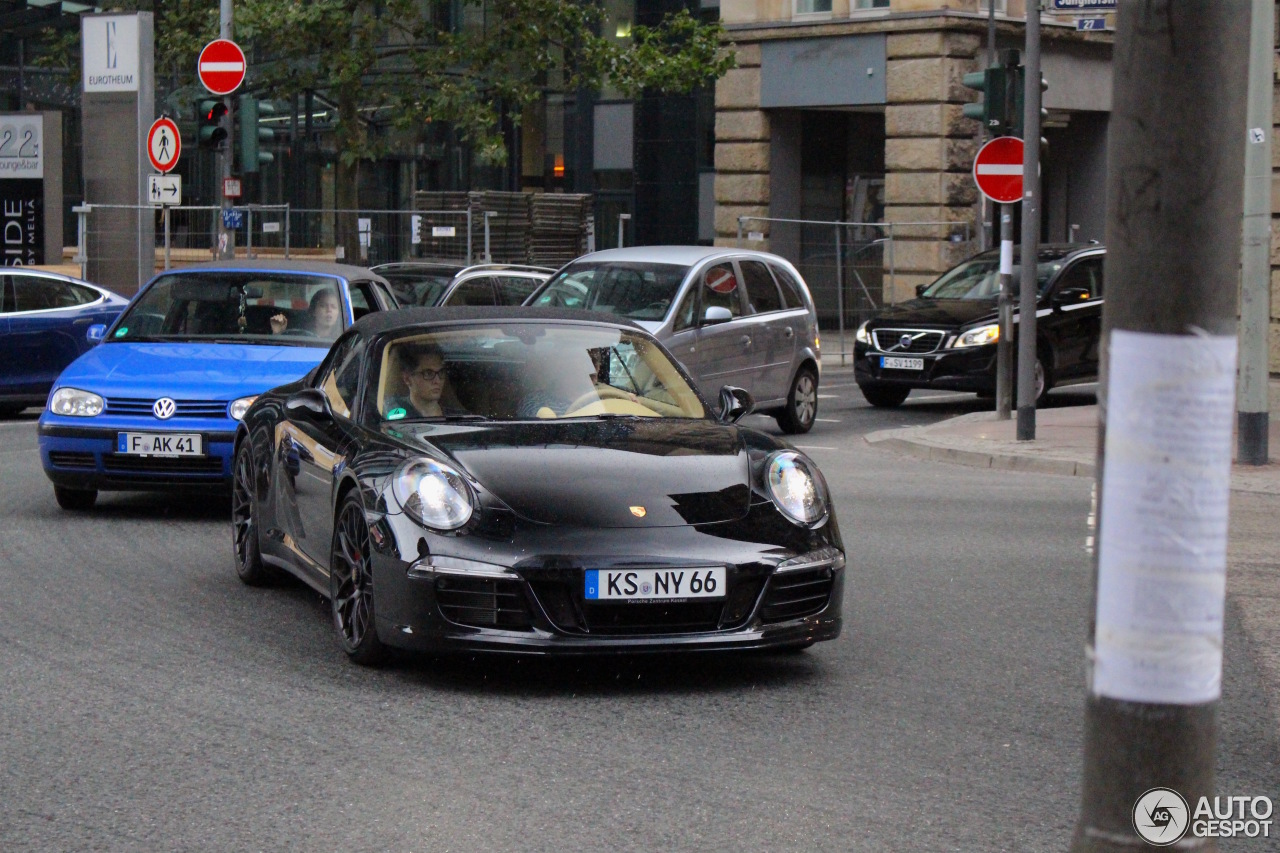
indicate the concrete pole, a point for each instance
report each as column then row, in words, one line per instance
column 1175, row 175
column 1252, row 418
column 1030, row 228
column 226, row 236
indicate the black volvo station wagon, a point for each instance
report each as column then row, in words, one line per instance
column 946, row 337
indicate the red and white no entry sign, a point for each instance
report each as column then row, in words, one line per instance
column 221, row 66
column 998, row 169
column 163, row 144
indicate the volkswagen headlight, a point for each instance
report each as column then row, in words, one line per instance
column 978, row 337
column 433, row 494
column 862, row 336
column 239, row 407
column 796, row 488
column 76, row 403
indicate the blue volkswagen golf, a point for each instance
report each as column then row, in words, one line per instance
column 155, row 405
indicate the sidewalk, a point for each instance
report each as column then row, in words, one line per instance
column 1066, row 444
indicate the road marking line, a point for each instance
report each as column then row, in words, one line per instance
column 828, row 396
column 829, row 420
column 813, row 447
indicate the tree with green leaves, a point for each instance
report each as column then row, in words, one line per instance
column 411, row 62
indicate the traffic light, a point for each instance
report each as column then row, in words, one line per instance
column 1020, row 101
column 253, row 135
column 212, row 130
column 993, row 109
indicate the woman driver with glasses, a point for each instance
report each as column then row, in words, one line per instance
column 423, row 371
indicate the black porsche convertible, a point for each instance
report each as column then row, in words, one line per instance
column 537, row 481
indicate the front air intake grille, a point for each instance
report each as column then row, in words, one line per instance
column 483, row 603
column 182, row 408
column 120, row 463
column 920, row 341
column 792, row 595
column 563, row 602
column 71, row 459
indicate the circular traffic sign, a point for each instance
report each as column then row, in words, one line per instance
column 221, row 66
column 164, row 144
column 998, row 169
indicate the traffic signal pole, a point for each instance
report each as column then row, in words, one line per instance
column 1175, row 175
column 1026, row 430
column 226, row 236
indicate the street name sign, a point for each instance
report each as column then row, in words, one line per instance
column 221, row 66
column 1080, row 7
column 998, row 169
column 164, row 144
column 164, row 189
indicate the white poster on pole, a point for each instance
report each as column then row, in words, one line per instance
column 1163, row 521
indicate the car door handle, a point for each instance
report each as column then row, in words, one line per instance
column 746, row 340
column 787, row 332
column 81, row 321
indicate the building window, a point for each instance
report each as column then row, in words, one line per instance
column 867, row 6
column 1002, row 6
column 811, row 9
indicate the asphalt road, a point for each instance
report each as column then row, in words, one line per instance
column 151, row 701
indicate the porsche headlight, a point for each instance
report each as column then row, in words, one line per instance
column 978, row 337
column 433, row 494
column 861, row 336
column 76, row 403
column 795, row 488
column 239, row 407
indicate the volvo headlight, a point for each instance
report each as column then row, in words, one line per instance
column 239, row 407
column 433, row 494
column 76, row 403
column 978, row 337
column 795, row 488
column 861, row 336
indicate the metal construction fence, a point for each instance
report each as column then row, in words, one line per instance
column 186, row 234
column 851, row 267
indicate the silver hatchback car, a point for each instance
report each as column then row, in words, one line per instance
column 732, row 317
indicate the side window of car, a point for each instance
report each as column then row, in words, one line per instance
column 33, row 293
column 790, row 287
column 341, row 377
column 687, row 314
column 762, row 293
column 362, row 300
column 1086, row 275
column 720, row 289
column 388, row 301
column 515, row 289
column 473, row 291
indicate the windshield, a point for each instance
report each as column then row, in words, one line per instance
column 980, row 279
column 236, row 307
column 530, row 371
column 634, row 290
column 417, row 287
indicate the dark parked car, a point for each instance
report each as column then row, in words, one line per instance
column 45, row 320
column 531, row 480
column 435, row 283
column 946, row 337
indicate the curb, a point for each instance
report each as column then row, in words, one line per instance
column 909, row 441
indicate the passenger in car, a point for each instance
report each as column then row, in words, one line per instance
column 423, row 369
column 324, row 317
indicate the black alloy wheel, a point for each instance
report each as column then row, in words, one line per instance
column 244, row 521
column 75, row 500
column 802, row 403
column 351, row 586
column 1043, row 382
column 884, row 396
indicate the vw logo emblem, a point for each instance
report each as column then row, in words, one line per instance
column 164, row 408
column 904, row 341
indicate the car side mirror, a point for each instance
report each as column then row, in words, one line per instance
column 735, row 404
column 308, row 403
column 716, row 314
column 1071, row 296
column 920, row 289
column 95, row 333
